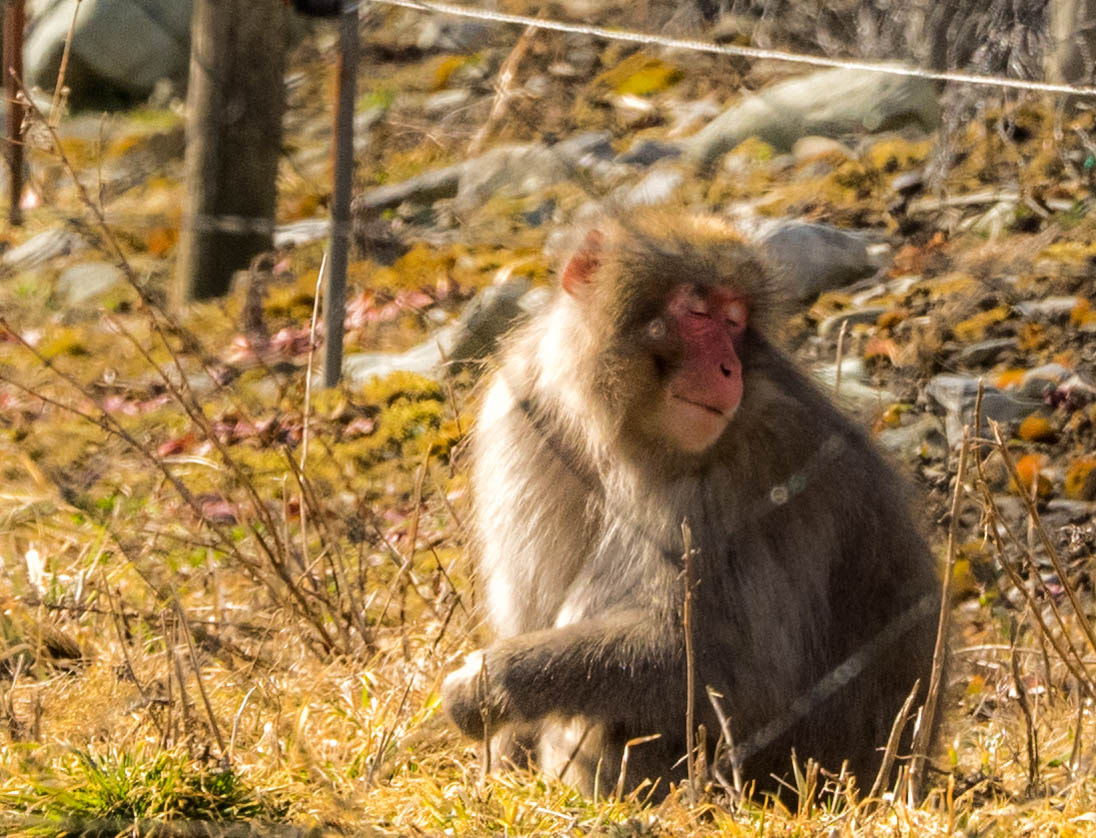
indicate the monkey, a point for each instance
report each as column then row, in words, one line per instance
column 647, row 394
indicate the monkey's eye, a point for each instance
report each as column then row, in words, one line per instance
column 735, row 313
column 696, row 303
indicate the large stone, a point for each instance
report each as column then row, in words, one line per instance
column 523, row 169
column 813, row 258
column 831, row 103
column 957, row 395
column 119, row 46
column 473, row 336
column 87, row 281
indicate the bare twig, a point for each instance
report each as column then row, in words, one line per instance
column 58, row 90
column 1025, row 708
column 839, row 356
column 893, row 739
column 1048, row 546
column 503, row 89
column 196, row 666
column 734, row 791
column 939, row 654
column 631, row 743
column 690, row 667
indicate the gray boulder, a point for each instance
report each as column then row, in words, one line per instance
column 813, row 258
column 120, row 46
column 831, row 103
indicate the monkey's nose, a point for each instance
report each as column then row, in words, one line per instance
column 725, row 370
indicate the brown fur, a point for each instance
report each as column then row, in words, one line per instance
column 578, row 529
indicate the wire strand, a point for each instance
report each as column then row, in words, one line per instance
column 698, row 45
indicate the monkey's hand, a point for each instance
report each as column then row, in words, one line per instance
column 469, row 699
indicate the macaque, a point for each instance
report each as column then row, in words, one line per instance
column 647, row 395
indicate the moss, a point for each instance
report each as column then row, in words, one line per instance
column 408, row 385
column 640, row 74
column 64, row 341
column 406, row 419
column 1080, row 482
column 894, row 154
column 974, row 328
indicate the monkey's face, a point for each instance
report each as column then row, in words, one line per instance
column 702, row 387
column 666, row 306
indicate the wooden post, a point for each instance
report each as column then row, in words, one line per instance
column 1071, row 47
column 335, row 289
column 14, row 19
column 235, row 102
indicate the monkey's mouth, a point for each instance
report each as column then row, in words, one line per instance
column 713, row 410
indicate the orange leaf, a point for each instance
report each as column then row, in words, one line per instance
column 1037, row 428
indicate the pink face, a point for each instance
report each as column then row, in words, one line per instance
column 703, row 394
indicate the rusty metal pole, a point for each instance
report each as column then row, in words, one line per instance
column 14, row 21
column 335, row 282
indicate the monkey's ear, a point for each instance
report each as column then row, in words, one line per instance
column 583, row 264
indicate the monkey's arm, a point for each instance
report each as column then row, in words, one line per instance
column 610, row 666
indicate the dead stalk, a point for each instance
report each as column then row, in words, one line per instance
column 891, row 750
column 196, row 666
column 939, row 654
column 631, row 743
column 1067, row 653
column 146, row 701
column 1048, row 546
column 58, row 90
column 728, row 740
column 503, row 90
column 690, row 663
column 1025, row 708
column 840, row 355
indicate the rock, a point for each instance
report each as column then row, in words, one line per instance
column 523, row 169
column 687, row 115
column 854, row 392
column 41, row 248
column 1048, row 308
column 831, row 326
column 814, row 258
column 423, row 189
column 922, row 439
column 1072, row 511
column 440, row 34
column 649, row 152
column 807, row 148
column 444, row 102
column 657, row 187
column 119, row 46
column 379, row 240
column 831, row 103
column 424, row 359
column 1039, row 381
column 983, row 353
column 86, row 281
column 488, row 316
column 301, row 232
column 956, row 394
column 543, row 212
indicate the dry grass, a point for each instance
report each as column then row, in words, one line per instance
column 162, row 667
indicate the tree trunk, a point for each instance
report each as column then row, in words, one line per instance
column 235, row 102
